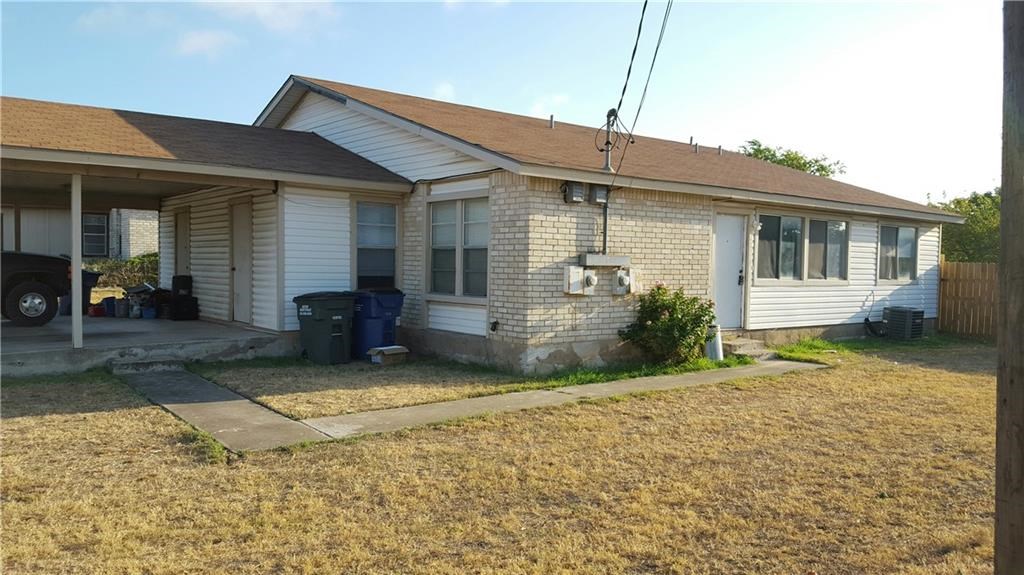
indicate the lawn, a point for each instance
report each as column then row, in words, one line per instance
column 880, row 464
column 302, row 390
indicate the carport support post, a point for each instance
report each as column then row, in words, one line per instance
column 76, row 261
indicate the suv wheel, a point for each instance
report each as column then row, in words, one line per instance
column 30, row 304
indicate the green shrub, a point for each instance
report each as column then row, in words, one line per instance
column 129, row 272
column 670, row 325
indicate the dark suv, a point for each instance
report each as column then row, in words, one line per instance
column 31, row 285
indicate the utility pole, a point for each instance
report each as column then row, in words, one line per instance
column 1009, row 539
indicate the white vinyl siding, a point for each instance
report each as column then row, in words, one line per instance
column 166, row 246
column 46, row 231
column 8, row 228
column 782, row 306
column 458, row 318
column 317, row 245
column 398, row 150
column 264, row 261
column 210, row 251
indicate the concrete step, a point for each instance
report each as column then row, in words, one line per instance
column 749, row 347
column 132, row 367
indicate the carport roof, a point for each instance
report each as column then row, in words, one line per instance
column 40, row 125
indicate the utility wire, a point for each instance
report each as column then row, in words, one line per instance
column 636, row 43
column 625, row 84
column 643, row 96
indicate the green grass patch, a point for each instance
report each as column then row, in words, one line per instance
column 817, row 350
column 203, row 445
column 585, row 376
column 97, row 376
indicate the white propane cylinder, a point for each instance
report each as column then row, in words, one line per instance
column 713, row 348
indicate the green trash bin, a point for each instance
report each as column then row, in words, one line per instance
column 325, row 324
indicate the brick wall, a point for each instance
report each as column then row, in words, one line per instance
column 667, row 235
column 133, row 232
column 414, row 234
column 535, row 236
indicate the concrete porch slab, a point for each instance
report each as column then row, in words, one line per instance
column 47, row 349
column 236, row 422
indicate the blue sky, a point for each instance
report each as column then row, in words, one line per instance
column 907, row 95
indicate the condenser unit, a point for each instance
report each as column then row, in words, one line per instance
column 903, row 322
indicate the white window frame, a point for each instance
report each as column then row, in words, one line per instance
column 878, row 253
column 354, row 234
column 106, row 235
column 459, row 197
column 804, row 280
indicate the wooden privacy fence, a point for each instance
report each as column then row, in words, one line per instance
column 968, row 295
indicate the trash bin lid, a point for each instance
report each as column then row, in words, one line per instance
column 323, row 295
column 386, row 291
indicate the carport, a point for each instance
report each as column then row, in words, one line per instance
column 85, row 159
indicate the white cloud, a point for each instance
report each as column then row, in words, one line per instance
column 444, row 91
column 278, row 16
column 121, row 18
column 548, row 104
column 209, row 43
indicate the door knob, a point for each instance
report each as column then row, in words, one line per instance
column 740, row 282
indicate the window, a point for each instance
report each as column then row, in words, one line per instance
column 780, row 247
column 826, row 250
column 476, row 231
column 376, row 238
column 459, row 234
column 442, row 247
column 94, row 235
column 897, row 258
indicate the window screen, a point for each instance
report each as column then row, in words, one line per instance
column 897, row 253
column 476, row 234
column 442, row 247
column 94, row 235
column 826, row 250
column 780, row 247
column 376, row 238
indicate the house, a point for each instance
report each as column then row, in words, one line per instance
column 117, row 233
column 491, row 223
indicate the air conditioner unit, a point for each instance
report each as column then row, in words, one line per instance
column 903, row 322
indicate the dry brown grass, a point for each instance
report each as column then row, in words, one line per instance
column 303, row 390
column 870, row 467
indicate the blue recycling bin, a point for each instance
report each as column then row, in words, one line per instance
column 376, row 315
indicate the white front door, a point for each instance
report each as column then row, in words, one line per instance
column 241, row 262
column 730, row 275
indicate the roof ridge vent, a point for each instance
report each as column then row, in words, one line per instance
column 551, row 122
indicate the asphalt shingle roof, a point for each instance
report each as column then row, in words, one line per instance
column 68, row 127
column 531, row 141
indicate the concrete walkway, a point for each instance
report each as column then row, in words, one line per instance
column 240, row 424
column 417, row 415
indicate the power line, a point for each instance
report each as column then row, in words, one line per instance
column 643, row 96
column 636, row 43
